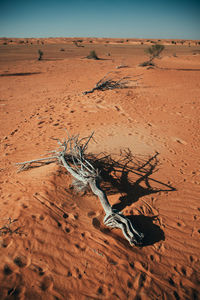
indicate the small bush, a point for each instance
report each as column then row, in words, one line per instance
column 154, row 50
column 77, row 45
column 40, row 53
column 147, row 63
column 92, row 55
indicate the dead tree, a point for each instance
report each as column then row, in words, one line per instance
column 107, row 83
column 72, row 156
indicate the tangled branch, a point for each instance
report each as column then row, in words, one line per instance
column 72, row 156
column 107, row 83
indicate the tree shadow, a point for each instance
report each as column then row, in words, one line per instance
column 51, row 59
column 19, row 74
column 131, row 177
column 145, row 224
column 181, row 69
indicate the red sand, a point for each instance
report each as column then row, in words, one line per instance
column 58, row 247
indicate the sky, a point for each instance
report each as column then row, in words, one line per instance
column 170, row 19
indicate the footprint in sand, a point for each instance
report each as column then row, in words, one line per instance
column 142, row 279
column 129, row 284
column 38, row 270
column 100, row 291
column 47, row 283
column 6, row 242
column 16, row 292
column 67, row 229
column 96, row 223
column 65, row 216
column 7, row 270
column 171, row 281
column 21, row 261
column 91, row 214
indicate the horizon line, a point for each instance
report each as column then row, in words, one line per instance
column 94, row 37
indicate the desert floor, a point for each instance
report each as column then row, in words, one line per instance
column 53, row 243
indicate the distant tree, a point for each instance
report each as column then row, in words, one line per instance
column 154, row 51
column 92, row 55
column 40, row 53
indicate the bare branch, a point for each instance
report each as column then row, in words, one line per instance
column 107, row 83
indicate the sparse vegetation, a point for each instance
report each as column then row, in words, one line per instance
column 154, row 51
column 147, row 63
column 40, row 53
column 76, row 43
column 92, row 55
column 107, row 83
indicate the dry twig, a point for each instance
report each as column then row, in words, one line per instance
column 107, row 83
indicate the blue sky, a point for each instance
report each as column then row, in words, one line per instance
column 178, row 19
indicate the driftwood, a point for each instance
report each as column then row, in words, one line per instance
column 72, row 156
column 107, row 83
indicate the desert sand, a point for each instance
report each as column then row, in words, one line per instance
column 53, row 243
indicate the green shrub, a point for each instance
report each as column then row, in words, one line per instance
column 147, row 63
column 154, row 50
column 92, row 55
column 40, row 53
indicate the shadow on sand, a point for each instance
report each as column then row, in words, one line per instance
column 19, row 74
column 132, row 178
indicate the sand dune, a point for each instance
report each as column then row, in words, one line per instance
column 53, row 243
